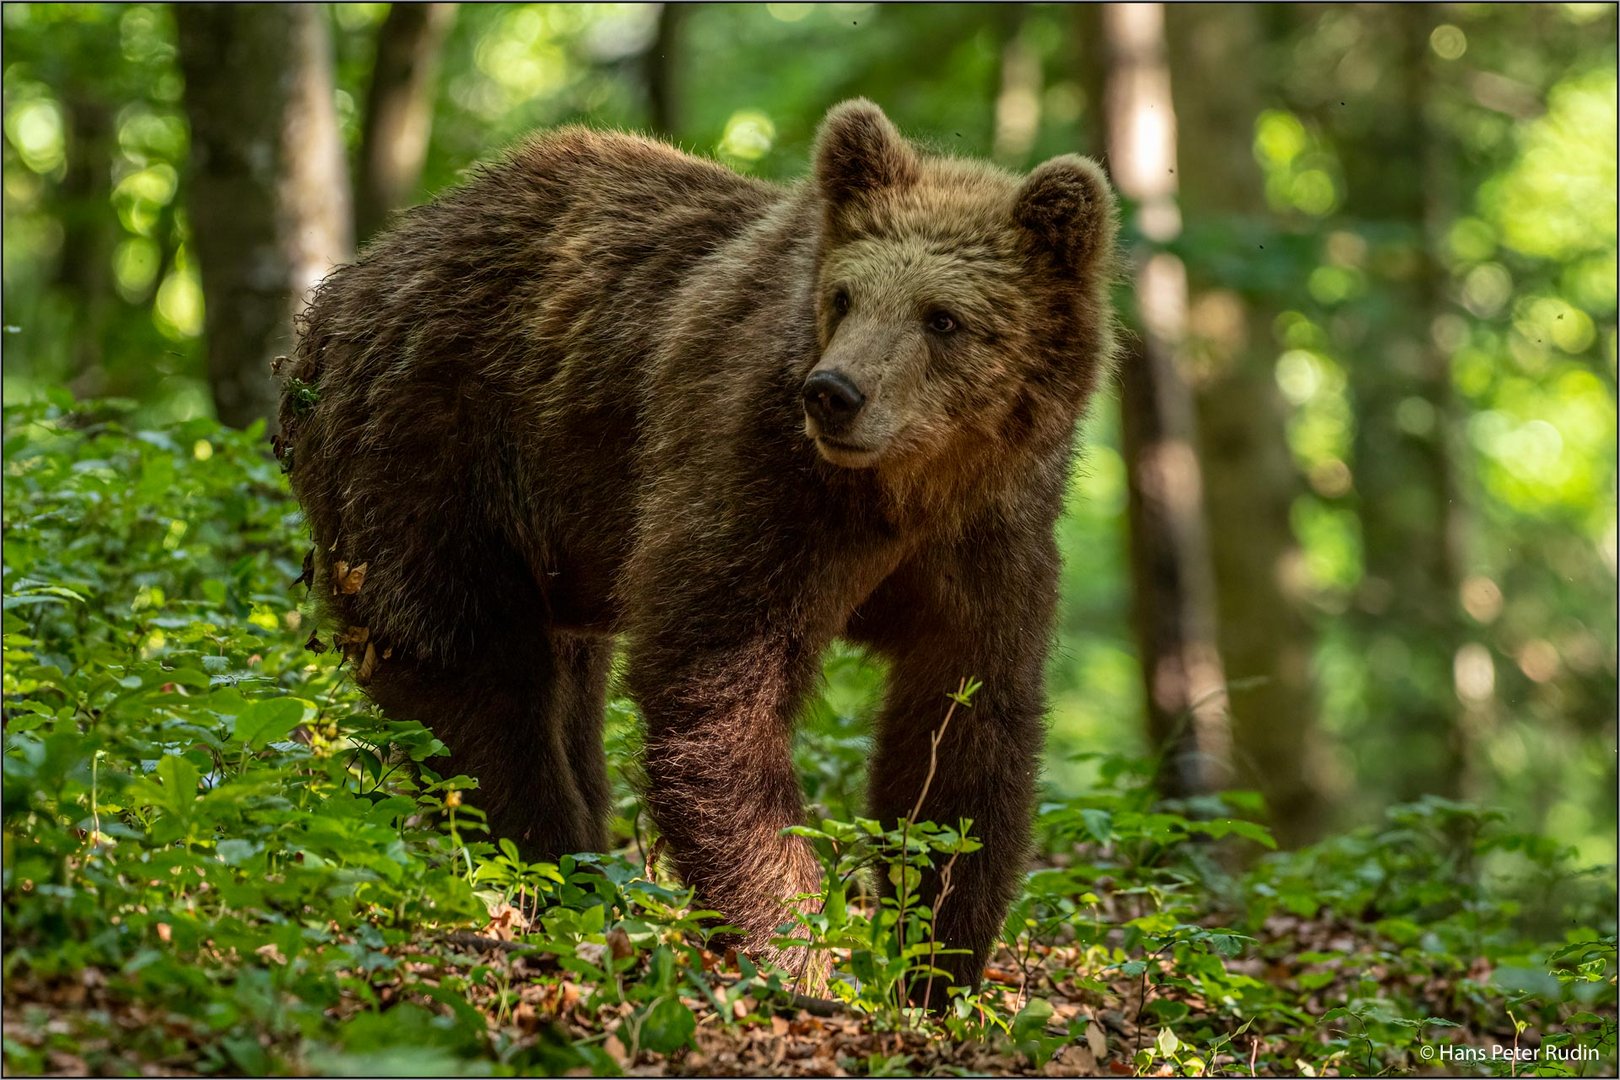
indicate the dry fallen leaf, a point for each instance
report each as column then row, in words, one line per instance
column 619, row 943
column 1096, row 1039
column 567, row 997
column 506, row 922
column 346, row 579
column 1077, row 1061
column 306, row 576
column 369, row 664
column 66, row 1064
column 651, row 872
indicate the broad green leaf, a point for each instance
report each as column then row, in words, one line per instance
column 668, row 1026
column 268, row 720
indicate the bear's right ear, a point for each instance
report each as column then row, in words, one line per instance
column 859, row 152
column 1067, row 207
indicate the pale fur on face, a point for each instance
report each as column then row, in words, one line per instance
column 933, row 275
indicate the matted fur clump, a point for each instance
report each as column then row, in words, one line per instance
column 606, row 388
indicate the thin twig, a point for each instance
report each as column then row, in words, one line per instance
column 934, row 740
column 933, row 751
column 469, row 940
column 933, row 926
column 1141, row 1005
column 816, row 1006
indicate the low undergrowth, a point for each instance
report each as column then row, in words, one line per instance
column 219, row 859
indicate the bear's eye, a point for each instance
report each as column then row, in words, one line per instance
column 942, row 322
column 840, row 302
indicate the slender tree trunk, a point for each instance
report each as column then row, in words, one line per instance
column 399, row 110
column 88, row 223
column 1402, row 460
column 1018, row 93
column 1172, row 589
column 268, row 187
column 661, row 66
column 1251, row 479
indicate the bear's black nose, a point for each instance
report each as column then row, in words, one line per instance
column 832, row 401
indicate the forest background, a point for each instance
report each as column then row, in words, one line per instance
column 1345, row 534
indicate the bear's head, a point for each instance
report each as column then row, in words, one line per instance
column 962, row 311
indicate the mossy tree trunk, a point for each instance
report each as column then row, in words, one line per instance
column 1251, row 480
column 399, row 111
column 89, row 224
column 1402, row 460
column 1172, row 587
column 661, row 67
column 1019, row 83
column 268, row 190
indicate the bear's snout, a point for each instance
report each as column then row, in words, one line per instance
column 833, row 401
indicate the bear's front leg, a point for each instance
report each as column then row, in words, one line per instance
column 983, row 770
column 721, row 783
column 981, row 610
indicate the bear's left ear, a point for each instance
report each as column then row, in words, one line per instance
column 1067, row 208
column 859, row 152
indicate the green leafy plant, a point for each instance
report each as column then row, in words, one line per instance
column 218, row 857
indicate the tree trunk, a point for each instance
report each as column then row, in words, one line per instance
column 88, row 225
column 661, row 66
column 1173, row 593
column 1411, row 518
column 268, row 190
column 1265, row 639
column 1018, row 92
column 399, row 110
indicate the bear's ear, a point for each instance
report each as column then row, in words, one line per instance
column 859, row 152
column 1067, row 208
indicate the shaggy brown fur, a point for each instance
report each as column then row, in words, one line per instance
column 566, row 401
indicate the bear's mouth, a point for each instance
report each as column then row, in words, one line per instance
column 847, row 447
column 847, row 454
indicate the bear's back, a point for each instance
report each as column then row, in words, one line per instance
column 465, row 393
column 573, row 230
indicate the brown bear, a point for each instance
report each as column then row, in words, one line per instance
column 605, row 388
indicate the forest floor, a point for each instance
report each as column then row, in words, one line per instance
column 1094, row 1019
column 218, row 858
